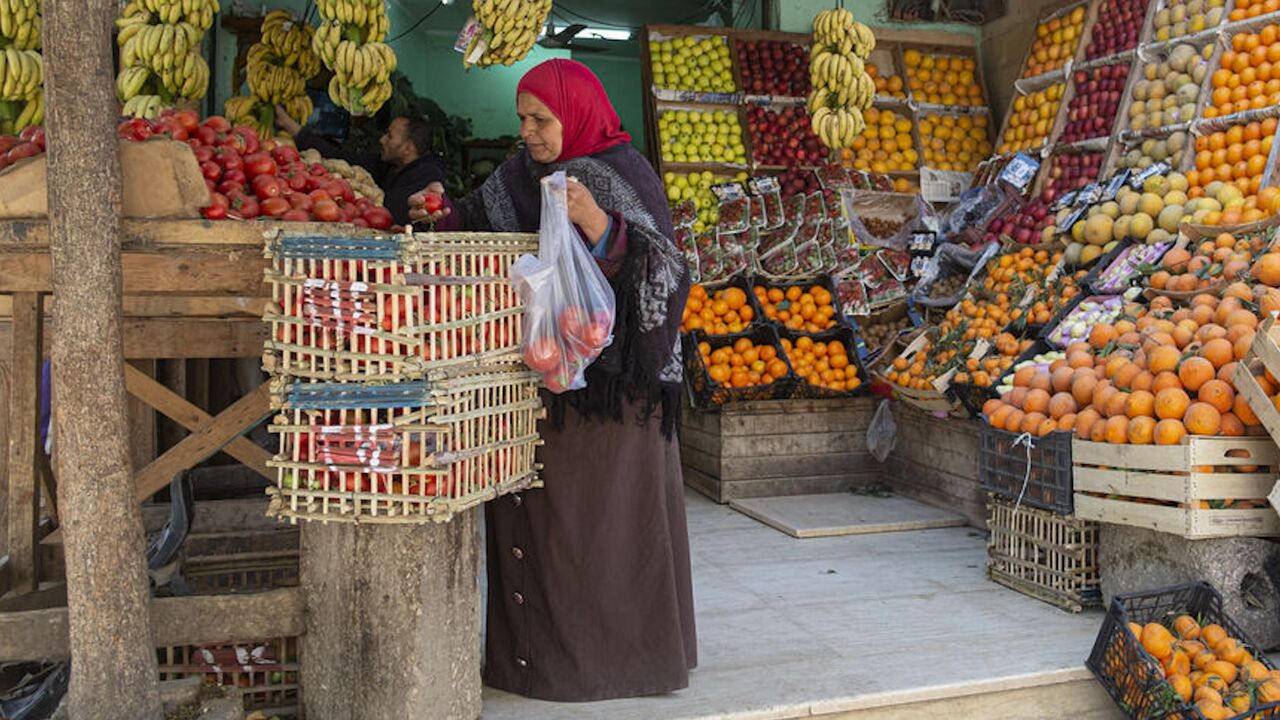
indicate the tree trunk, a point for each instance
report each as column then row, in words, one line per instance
column 393, row 621
column 113, row 662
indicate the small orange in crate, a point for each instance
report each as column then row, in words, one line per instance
column 798, row 308
column 724, row 312
column 743, row 364
column 823, row 364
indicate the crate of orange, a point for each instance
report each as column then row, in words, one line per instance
column 749, row 365
column 808, row 306
column 1233, row 162
column 1176, row 653
column 720, row 309
column 826, row 364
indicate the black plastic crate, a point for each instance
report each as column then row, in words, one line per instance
column 706, row 393
column 1132, row 677
column 823, row 281
column 846, row 337
column 972, row 396
column 1036, row 469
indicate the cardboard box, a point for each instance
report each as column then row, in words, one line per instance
column 161, row 180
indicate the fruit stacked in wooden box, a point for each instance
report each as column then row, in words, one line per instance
column 396, row 371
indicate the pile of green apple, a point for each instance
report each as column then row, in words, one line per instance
column 690, row 63
column 695, row 136
column 1168, row 91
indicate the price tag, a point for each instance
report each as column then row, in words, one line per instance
column 1113, row 187
column 914, row 314
column 1075, row 216
column 1020, row 171
column 1150, row 171
column 919, row 265
column 1089, row 194
column 470, row 30
column 1064, row 200
column 922, row 242
column 726, row 192
column 764, row 184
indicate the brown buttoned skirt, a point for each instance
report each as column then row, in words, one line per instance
column 590, row 595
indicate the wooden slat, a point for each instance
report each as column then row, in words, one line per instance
column 24, row 439
column 139, row 233
column 792, row 444
column 42, row 635
column 160, row 306
column 1174, row 488
column 1187, row 523
column 190, row 271
column 192, row 418
column 1258, row 401
column 209, row 439
column 753, row 468
column 152, row 339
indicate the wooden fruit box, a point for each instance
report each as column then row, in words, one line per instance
column 936, row 399
column 778, row 447
column 1127, row 484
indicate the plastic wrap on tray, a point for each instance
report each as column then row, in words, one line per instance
column 711, row 264
column 735, row 215
column 1128, row 267
column 766, row 191
column 737, row 260
column 830, row 263
column 852, row 295
column 770, row 241
column 897, row 262
column 756, row 213
column 686, row 238
column 832, row 200
column 815, row 208
column 793, row 210
column 882, row 286
column 781, row 261
column 835, row 177
column 684, row 212
column 743, row 239
column 809, row 257
column 1092, row 311
column 706, row 240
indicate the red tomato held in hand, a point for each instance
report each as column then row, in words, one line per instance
column 542, row 354
column 432, row 202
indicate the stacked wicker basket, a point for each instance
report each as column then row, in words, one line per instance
column 396, row 374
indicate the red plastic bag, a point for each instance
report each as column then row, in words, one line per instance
column 568, row 304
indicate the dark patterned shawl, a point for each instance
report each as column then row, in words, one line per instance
column 647, row 273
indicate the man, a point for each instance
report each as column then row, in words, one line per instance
column 405, row 165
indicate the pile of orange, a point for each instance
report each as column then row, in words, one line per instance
column 954, row 142
column 886, row 145
column 1248, row 76
column 1245, row 9
column 1060, row 292
column 1225, row 257
column 1235, row 157
column 891, row 86
column 986, row 371
column 1168, row 376
column 1205, row 666
column 943, row 79
column 1055, row 43
column 743, row 363
column 798, row 308
column 725, row 312
column 1031, row 119
column 822, row 364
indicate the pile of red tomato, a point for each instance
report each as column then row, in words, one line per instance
column 247, row 176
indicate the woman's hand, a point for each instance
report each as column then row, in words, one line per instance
column 287, row 123
column 585, row 213
column 418, row 211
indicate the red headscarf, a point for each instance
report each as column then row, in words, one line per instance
column 576, row 97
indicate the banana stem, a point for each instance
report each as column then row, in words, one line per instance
column 9, row 110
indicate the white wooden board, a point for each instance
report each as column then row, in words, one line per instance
column 829, row 515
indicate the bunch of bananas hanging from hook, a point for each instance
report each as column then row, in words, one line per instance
column 20, row 24
column 278, row 67
column 512, row 29
column 199, row 13
column 289, row 43
column 349, row 42
column 842, row 88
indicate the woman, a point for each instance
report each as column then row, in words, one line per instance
column 590, row 596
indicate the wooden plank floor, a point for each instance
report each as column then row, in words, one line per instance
column 838, row 626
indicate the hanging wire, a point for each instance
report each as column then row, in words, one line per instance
column 421, row 20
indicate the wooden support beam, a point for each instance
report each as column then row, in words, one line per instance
column 24, row 442
column 192, row 418
column 198, row 382
column 152, row 338
column 192, row 271
column 142, row 419
column 209, row 439
column 172, row 375
column 41, row 635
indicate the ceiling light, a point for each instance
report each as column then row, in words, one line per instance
column 593, row 33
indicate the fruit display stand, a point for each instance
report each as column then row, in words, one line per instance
column 1186, row 490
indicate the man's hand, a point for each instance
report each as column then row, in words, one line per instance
column 418, row 211
column 585, row 213
column 286, row 123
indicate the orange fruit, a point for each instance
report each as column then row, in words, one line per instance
column 1202, row 419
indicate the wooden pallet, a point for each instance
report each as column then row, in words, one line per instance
column 778, row 447
column 1112, row 480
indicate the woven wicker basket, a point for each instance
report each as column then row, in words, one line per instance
column 410, row 452
column 391, row 308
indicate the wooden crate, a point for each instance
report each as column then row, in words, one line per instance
column 263, row 673
column 1113, row 481
column 1046, row 556
column 778, row 447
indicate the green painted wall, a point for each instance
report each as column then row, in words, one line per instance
column 796, row 16
column 620, row 76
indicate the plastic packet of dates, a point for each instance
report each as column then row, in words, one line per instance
column 884, row 219
column 951, row 261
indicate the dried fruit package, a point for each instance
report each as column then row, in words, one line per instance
column 569, row 306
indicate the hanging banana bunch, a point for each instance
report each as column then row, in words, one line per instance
column 21, row 66
column 278, row 68
column 842, row 89
column 511, row 28
column 160, row 56
column 350, row 43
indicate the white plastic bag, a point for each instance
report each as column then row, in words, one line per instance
column 882, row 435
column 568, row 304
